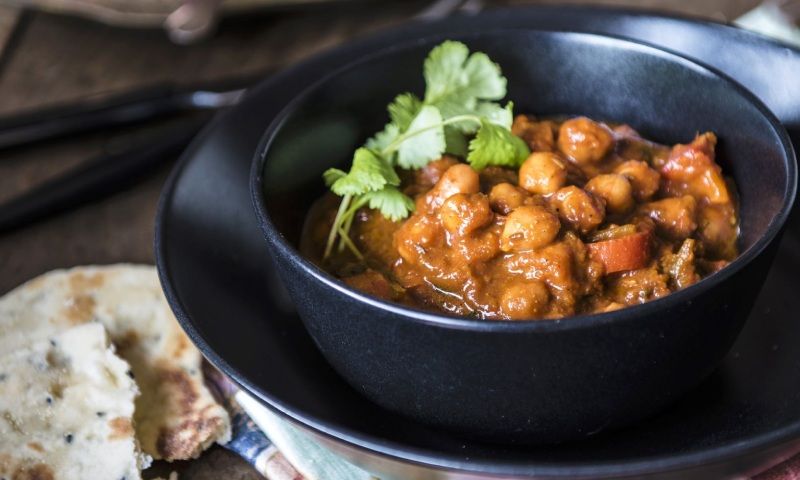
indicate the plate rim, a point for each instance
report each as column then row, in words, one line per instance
column 411, row 454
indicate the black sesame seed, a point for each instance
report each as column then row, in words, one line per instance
column 3, row 377
column 101, row 414
column 49, row 400
column 130, row 373
column 53, row 342
column 68, row 438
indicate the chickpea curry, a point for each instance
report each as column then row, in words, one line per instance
column 460, row 207
column 596, row 218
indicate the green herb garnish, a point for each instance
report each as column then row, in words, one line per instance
column 459, row 103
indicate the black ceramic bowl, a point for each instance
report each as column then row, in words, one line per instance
column 529, row 381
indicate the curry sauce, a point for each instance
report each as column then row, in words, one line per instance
column 596, row 218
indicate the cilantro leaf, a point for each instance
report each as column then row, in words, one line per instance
column 391, row 202
column 453, row 77
column 403, row 109
column 368, row 173
column 331, row 175
column 502, row 116
column 455, row 141
column 443, row 70
column 495, row 145
column 426, row 144
column 450, row 110
column 384, row 138
column 484, row 78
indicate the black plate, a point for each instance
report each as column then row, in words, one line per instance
column 212, row 257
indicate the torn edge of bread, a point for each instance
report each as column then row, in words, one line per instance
column 66, row 410
column 176, row 416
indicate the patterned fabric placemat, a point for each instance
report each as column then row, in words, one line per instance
column 301, row 458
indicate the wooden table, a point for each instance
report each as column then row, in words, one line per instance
column 46, row 59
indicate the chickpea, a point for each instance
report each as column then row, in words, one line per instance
column 674, row 216
column 481, row 246
column 464, row 213
column 459, row 178
column 543, row 173
column 579, row 208
column 505, row 197
column 615, row 189
column 525, row 300
column 415, row 235
column 584, row 140
column 644, row 180
column 431, row 173
column 529, row 227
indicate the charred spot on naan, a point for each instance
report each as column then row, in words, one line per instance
column 199, row 427
column 81, row 282
column 36, row 446
column 126, row 341
column 182, row 386
column 37, row 471
column 121, row 427
column 79, row 309
column 12, row 468
column 181, row 345
column 183, row 440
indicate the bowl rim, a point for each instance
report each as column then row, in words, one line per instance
column 280, row 246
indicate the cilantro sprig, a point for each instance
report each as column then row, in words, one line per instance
column 458, row 114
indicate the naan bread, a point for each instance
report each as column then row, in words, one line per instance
column 176, row 416
column 66, row 407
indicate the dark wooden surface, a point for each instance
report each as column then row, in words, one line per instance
column 53, row 59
